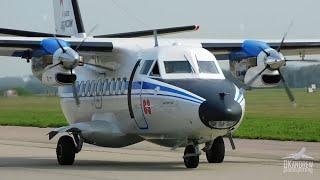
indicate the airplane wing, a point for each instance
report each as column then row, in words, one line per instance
column 28, row 47
column 223, row 48
column 145, row 33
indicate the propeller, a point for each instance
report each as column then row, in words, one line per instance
column 288, row 90
column 274, row 61
column 68, row 59
column 76, row 56
column 285, row 36
column 75, row 92
column 74, row 86
column 60, row 45
column 249, row 83
column 85, row 38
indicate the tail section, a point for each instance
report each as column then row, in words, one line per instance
column 67, row 17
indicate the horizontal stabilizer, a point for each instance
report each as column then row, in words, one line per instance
column 27, row 33
column 150, row 32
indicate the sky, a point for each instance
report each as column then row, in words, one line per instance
column 227, row 19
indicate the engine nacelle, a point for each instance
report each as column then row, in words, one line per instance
column 246, row 69
column 53, row 77
column 39, row 65
column 56, row 76
column 267, row 78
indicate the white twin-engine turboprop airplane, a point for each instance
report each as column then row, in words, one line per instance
column 120, row 89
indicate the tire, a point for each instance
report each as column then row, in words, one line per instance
column 217, row 151
column 65, row 150
column 192, row 161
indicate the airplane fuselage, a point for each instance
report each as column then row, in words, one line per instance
column 130, row 104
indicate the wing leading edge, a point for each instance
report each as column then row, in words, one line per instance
column 223, row 49
column 31, row 47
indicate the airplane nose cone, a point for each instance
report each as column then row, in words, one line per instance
column 220, row 115
column 220, row 110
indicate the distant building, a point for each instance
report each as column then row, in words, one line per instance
column 10, row 93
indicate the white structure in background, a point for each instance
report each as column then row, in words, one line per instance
column 312, row 88
column 10, row 93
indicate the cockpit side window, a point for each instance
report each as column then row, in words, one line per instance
column 208, row 67
column 177, row 67
column 155, row 71
column 146, row 67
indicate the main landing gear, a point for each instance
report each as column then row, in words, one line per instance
column 215, row 152
column 67, row 148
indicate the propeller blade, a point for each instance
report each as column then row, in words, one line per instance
column 84, row 39
column 285, row 36
column 60, row 45
column 256, row 76
column 267, row 53
column 75, row 93
column 288, row 91
column 54, row 65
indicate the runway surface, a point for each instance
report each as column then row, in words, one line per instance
column 26, row 153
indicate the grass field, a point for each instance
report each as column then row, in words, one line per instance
column 269, row 115
column 31, row 111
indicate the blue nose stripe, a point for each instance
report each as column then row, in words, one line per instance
column 151, row 86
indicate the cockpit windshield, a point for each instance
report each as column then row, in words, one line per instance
column 208, row 67
column 177, row 67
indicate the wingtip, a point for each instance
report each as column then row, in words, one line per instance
column 197, row 27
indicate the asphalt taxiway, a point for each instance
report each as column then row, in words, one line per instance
column 26, row 153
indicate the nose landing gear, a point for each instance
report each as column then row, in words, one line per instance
column 215, row 150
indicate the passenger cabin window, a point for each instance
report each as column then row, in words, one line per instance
column 146, row 67
column 155, row 71
column 177, row 67
column 208, row 67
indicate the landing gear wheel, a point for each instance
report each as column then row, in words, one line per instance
column 191, row 157
column 66, row 150
column 215, row 154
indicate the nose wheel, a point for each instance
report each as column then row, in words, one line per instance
column 215, row 150
column 191, row 156
column 66, row 150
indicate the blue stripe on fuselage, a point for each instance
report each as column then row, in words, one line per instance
column 151, row 86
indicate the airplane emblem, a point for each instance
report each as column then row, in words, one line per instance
column 146, row 106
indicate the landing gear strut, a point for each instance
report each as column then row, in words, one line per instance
column 67, row 149
column 215, row 150
column 191, row 156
